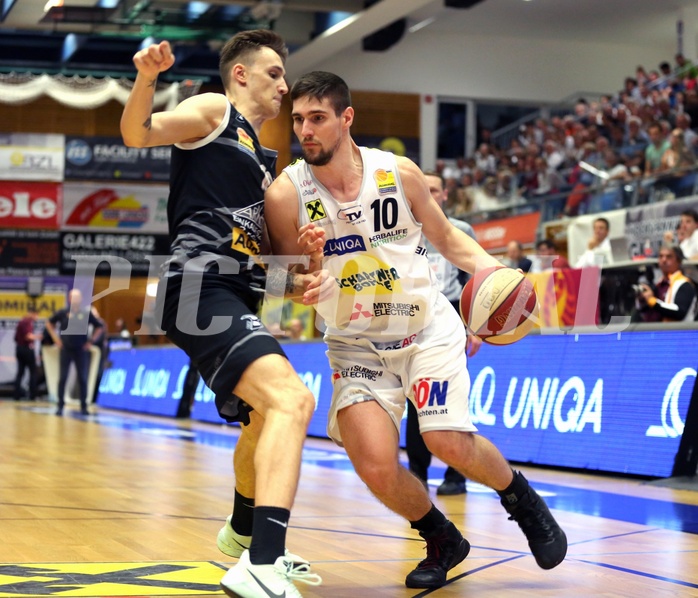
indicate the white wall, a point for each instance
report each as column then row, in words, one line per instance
column 494, row 68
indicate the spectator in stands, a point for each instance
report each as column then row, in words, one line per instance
column 685, row 69
column 598, row 251
column 655, row 150
column 454, row 171
column 677, row 159
column 673, row 299
column 515, row 257
column 616, row 169
column 690, row 137
column 548, row 257
column 635, row 136
column 485, row 197
column 666, row 76
column 554, row 157
column 507, row 189
column 485, row 160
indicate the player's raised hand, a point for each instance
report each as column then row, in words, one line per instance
column 311, row 241
column 154, row 59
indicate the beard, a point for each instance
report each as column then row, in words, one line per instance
column 322, row 158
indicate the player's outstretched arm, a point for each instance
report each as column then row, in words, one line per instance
column 457, row 247
column 191, row 120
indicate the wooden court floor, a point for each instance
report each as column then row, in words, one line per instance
column 125, row 505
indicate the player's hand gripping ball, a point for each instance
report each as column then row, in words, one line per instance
column 499, row 305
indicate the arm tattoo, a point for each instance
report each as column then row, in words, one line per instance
column 153, row 83
column 148, row 124
column 278, row 279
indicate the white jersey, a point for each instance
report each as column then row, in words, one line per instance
column 386, row 289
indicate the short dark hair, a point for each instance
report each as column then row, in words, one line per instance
column 691, row 213
column 605, row 221
column 549, row 243
column 320, row 85
column 243, row 45
column 438, row 175
column 676, row 250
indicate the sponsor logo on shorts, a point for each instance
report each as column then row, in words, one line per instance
column 316, row 211
column 385, row 181
column 343, row 245
column 430, row 393
column 394, row 346
column 395, row 309
column 359, row 312
column 389, row 237
column 357, row 371
column 251, row 322
column 382, row 277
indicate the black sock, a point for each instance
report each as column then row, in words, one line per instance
column 268, row 535
column 243, row 514
column 514, row 491
column 430, row 522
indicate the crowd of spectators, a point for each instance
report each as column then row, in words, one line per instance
column 644, row 134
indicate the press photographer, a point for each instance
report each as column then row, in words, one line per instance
column 673, row 298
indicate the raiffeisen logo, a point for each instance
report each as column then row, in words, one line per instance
column 672, row 425
column 566, row 406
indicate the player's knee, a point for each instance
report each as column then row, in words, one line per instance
column 450, row 447
column 380, row 477
column 296, row 404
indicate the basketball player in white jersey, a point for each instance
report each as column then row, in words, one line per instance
column 390, row 333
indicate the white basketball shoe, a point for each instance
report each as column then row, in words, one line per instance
column 246, row 580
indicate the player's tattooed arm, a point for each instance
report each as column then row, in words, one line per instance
column 278, row 279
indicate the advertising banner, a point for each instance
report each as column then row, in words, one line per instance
column 15, row 303
column 151, row 380
column 495, row 235
column 32, row 157
column 93, row 247
column 126, row 208
column 29, row 253
column 645, row 225
column 587, row 401
column 107, row 158
column 30, row 205
column 578, row 401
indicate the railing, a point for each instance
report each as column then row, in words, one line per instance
column 600, row 197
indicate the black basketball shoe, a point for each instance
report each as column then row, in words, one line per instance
column 546, row 539
column 446, row 547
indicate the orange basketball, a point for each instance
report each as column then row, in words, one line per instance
column 499, row 305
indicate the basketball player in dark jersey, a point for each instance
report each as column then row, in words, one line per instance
column 209, row 291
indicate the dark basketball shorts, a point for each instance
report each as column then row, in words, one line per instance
column 220, row 332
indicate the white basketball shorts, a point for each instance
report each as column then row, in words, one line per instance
column 430, row 369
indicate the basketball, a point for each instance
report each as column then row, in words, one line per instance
column 499, row 305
